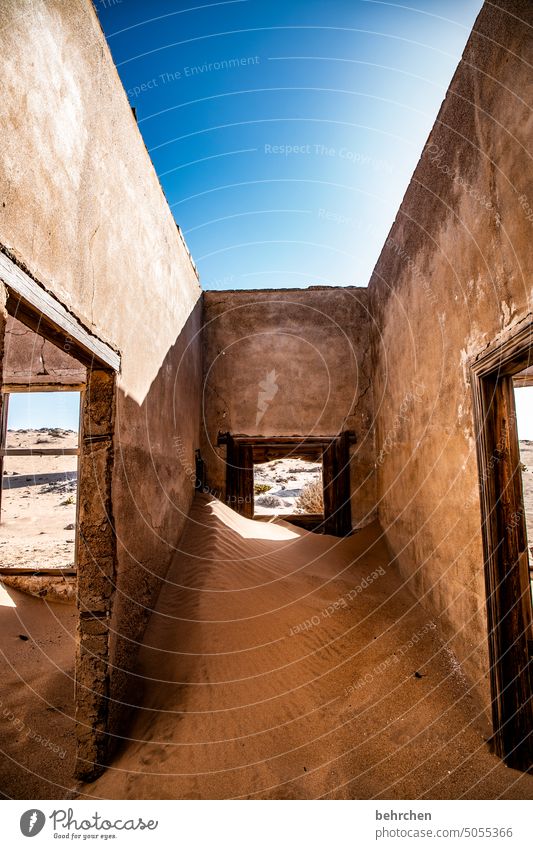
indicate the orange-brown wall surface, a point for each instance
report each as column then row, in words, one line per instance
column 290, row 362
column 82, row 210
column 455, row 273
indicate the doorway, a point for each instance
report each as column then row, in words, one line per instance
column 494, row 375
column 67, row 354
column 289, row 486
column 320, row 504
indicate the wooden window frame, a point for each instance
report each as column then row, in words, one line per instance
column 13, row 389
column 508, row 593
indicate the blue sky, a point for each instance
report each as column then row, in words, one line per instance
column 285, row 133
column 43, row 409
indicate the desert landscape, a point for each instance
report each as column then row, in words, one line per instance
column 37, row 528
column 279, row 486
column 39, row 496
column 526, row 454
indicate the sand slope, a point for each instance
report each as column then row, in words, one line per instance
column 239, row 698
column 37, row 698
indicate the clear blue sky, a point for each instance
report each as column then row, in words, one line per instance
column 43, row 409
column 224, row 91
column 284, row 133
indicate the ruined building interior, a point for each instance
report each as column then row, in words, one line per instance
column 379, row 645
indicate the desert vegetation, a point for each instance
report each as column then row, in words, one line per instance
column 311, row 498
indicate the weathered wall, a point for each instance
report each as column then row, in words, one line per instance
column 30, row 359
column 455, row 272
column 81, row 208
column 305, row 353
column 153, row 490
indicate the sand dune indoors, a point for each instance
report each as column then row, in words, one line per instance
column 284, row 664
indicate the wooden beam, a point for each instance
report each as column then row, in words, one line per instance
column 37, row 452
column 27, row 570
column 266, row 453
column 284, row 440
column 307, row 521
column 243, row 439
column 41, row 311
column 35, row 386
column 509, row 355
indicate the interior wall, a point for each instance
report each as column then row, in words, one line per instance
column 31, row 359
column 285, row 363
column 455, row 273
column 84, row 215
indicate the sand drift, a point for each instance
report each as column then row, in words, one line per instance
column 283, row 664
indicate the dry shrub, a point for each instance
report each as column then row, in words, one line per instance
column 311, row 498
column 269, row 501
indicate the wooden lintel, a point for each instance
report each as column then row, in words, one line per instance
column 37, row 452
column 27, row 570
column 295, row 439
column 33, row 386
column 44, row 314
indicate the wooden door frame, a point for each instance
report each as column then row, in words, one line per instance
column 96, row 545
column 508, row 593
column 331, row 451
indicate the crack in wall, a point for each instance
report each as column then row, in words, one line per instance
column 91, row 239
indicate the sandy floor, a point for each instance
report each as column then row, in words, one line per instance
column 37, row 697
column 286, row 479
column 284, row 664
column 39, row 501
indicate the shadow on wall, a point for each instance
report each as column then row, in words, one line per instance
column 152, row 494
